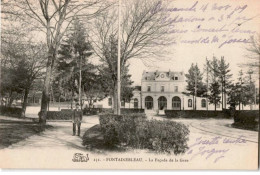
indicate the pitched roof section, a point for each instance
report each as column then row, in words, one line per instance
column 157, row 75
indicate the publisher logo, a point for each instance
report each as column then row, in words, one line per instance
column 79, row 157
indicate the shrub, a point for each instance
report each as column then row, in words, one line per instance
column 11, row 111
column 246, row 116
column 123, row 110
column 59, row 115
column 135, row 131
column 131, row 110
column 197, row 114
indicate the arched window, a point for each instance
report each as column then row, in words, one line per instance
column 176, row 103
column 190, row 103
column 203, row 103
column 135, row 103
column 149, row 102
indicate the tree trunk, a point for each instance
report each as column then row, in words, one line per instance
column 10, row 100
column 115, row 99
column 222, row 97
column 45, row 94
column 193, row 103
column 25, row 97
column 71, row 99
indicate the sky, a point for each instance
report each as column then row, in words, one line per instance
column 234, row 15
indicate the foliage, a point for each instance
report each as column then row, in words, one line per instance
column 224, row 74
column 52, row 18
column 137, row 132
column 197, row 114
column 144, row 36
column 72, row 58
column 195, row 85
column 253, row 54
column 131, row 111
column 247, row 119
column 194, row 77
column 11, row 111
column 22, row 64
column 246, row 116
column 244, row 91
column 59, row 115
column 214, row 88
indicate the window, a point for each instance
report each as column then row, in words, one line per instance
column 123, row 103
column 149, row 88
column 176, row 103
column 175, row 88
column 135, row 103
column 190, row 103
column 203, row 103
column 218, row 105
column 176, row 78
column 148, row 102
column 109, row 101
column 162, row 88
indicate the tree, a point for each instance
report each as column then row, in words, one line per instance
column 110, row 84
column 23, row 63
column 233, row 93
column 207, row 70
column 127, row 94
column 143, row 35
column 195, row 85
column 241, row 88
column 214, row 96
column 250, row 89
column 224, row 74
column 253, row 55
column 53, row 19
column 72, row 60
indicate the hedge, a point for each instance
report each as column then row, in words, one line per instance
column 95, row 111
column 136, row 131
column 59, row 115
column 11, row 111
column 246, row 116
column 197, row 114
column 131, row 110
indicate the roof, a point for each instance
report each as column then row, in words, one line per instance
column 156, row 74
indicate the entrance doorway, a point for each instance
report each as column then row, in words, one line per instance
column 162, row 103
column 176, row 103
column 149, row 102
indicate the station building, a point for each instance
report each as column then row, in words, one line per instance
column 162, row 90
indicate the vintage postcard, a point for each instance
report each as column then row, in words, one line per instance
column 130, row 84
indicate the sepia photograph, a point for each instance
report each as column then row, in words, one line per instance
column 130, row 84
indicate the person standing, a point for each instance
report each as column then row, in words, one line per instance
column 76, row 119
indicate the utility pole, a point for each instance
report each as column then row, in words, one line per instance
column 255, row 96
column 118, row 60
column 80, row 82
column 207, row 69
column 195, row 88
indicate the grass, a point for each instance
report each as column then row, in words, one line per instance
column 14, row 131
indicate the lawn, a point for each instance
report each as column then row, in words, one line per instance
column 14, row 131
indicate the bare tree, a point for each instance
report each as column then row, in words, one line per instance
column 144, row 35
column 53, row 18
column 253, row 55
